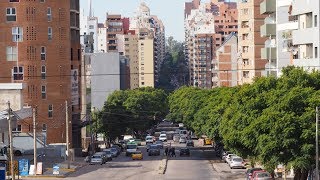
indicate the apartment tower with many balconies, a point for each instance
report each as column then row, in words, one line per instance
column 40, row 47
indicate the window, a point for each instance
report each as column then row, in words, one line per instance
column 142, row 83
column 315, row 20
column 44, row 127
column 18, row 73
column 126, row 39
column 50, row 111
column 11, row 53
column 17, row 34
column 49, row 15
column 43, row 92
column 91, row 27
column 42, row 1
column 43, row 72
column 49, row 33
column 43, row 53
column 316, row 52
column 245, row 74
column 11, row 14
column 14, row 0
column 17, row 129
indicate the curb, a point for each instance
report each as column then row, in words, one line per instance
column 163, row 165
column 42, row 176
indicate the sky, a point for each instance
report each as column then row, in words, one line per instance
column 171, row 12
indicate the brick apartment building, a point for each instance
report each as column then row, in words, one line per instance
column 40, row 47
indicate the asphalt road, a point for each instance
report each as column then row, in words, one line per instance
column 199, row 166
column 121, row 168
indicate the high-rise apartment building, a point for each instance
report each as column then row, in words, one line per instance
column 114, row 25
column 250, row 41
column 206, row 28
column 128, row 47
column 102, row 34
column 148, row 28
column 40, row 47
column 306, row 38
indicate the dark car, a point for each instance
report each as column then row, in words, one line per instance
column 184, row 152
column 148, row 147
column 190, row 143
column 154, row 150
column 159, row 144
column 249, row 172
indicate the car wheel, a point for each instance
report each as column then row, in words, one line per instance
column 17, row 153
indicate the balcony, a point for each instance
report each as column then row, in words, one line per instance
column 268, row 30
column 266, row 52
column 307, row 63
column 304, row 36
column 268, row 6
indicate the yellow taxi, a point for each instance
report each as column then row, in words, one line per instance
column 207, row 141
column 137, row 155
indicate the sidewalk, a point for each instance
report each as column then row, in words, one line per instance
column 63, row 169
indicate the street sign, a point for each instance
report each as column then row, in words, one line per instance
column 55, row 169
column 23, row 167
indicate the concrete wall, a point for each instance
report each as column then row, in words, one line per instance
column 105, row 77
column 11, row 92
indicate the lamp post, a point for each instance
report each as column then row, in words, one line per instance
column 317, row 148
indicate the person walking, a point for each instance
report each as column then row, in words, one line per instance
column 166, row 151
column 173, row 152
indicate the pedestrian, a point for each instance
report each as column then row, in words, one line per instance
column 166, row 151
column 173, row 152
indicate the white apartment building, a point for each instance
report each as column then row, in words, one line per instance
column 305, row 39
column 102, row 40
column 89, row 27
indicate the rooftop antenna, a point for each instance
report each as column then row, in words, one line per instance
column 90, row 8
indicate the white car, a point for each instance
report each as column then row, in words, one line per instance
column 228, row 157
column 163, row 137
column 149, row 139
column 236, row 162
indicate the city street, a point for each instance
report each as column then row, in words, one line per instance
column 197, row 166
column 121, row 167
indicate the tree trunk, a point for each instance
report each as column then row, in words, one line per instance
column 300, row 174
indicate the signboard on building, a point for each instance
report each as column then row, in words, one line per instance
column 74, row 87
column 23, row 167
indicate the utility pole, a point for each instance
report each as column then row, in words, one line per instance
column 10, row 142
column 67, row 135
column 317, row 148
column 34, row 140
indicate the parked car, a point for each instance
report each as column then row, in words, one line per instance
column 184, row 151
column 118, row 147
column 163, row 132
column 236, row 162
column 115, row 152
column 159, row 144
column 163, row 137
column 190, row 143
column 108, row 153
column 182, row 139
column 250, row 172
column 261, row 175
column 97, row 159
column 224, row 154
column 148, row 146
column 137, row 155
column 228, row 158
column 154, row 150
column 104, row 156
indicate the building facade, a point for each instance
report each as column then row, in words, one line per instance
column 114, row 26
column 250, row 64
column 224, row 68
column 148, row 28
column 40, row 47
column 305, row 39
column 128, row 47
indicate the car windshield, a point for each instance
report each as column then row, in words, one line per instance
column 107, row 151
column 162, row 135
column 149, row 138
column 114, row 149
column 237, row 159
column 263, row 175
column 182, row 137
column 96, row 156
column 153, row 147
column 159, row 142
